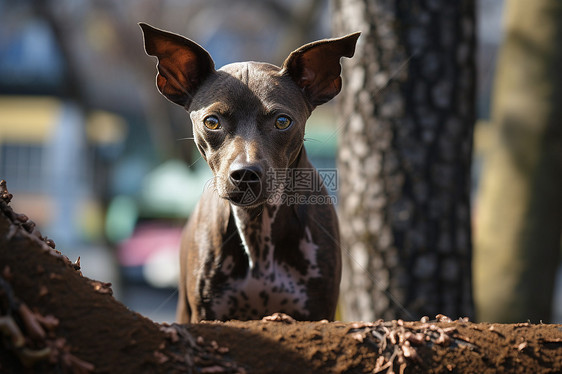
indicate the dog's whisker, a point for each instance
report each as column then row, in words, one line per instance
column 185, row 139
column 194, row 162
column 312, row 140
column 261, row 210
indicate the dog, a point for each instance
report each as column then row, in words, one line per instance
column 246, row 251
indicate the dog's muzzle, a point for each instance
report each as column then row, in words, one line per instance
column 247, row 185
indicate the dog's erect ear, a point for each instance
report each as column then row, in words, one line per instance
column 316, row 68
column 182, row 64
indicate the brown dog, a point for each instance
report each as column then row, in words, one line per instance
column 255, row 245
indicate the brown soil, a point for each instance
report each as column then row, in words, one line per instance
column 432, row 347
column 52, row 319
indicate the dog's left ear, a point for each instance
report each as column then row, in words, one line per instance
column 316, row 68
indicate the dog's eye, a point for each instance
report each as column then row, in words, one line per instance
column 283, row 122
column 212, row 122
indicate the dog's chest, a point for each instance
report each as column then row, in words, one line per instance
column 272, row 282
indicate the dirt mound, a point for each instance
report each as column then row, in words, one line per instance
column 52, row 319
column 394, row 346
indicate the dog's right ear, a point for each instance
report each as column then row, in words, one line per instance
column 183, row 65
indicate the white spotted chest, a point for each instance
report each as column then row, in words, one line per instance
column 269, row 286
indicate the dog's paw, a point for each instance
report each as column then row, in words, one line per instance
column 279, row 317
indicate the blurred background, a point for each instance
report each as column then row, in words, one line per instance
column 95, row 155
column 103, row 164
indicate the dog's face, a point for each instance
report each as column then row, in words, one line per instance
column 248, row 122
column 248, row 118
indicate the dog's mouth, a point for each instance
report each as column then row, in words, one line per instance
column 250, row 188
column 246, row 194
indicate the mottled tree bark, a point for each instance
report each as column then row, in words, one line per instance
column 520, row 203
column 406, row 120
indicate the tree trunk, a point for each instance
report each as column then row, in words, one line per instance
column 407, row 116
column 520, row 203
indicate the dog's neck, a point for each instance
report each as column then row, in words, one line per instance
column 254, row 227
column 255, row 224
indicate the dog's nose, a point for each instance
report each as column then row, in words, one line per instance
column 246, row 174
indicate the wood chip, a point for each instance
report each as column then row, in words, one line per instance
column 358, row 336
